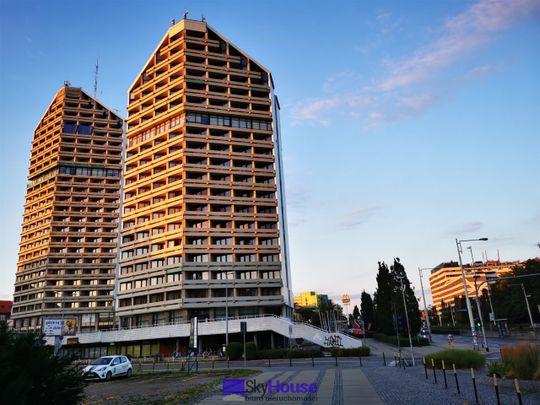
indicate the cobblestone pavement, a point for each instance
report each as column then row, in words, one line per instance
column 409, row 386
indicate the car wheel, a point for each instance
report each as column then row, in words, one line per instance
column 108, row 376
column 129, row 373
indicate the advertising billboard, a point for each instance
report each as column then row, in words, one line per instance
column 60, row 327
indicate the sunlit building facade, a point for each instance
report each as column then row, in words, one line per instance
column 68, row 248
column 446, row 281
column 203, row 220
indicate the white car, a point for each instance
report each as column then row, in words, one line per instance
column 107, row 367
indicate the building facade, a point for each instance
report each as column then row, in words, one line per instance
column 203, row 220
column 310, row 299
column 67, row 258
column 446, row 281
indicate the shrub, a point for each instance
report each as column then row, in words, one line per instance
column 461, row 358
column 32, row 374
column 358, row 351
column 445, row 330
column 234, row 349
column 301, row 354
column 495, row 367
column 403, row 341
column 251, row 351
column 521, row 361
column 271, row 354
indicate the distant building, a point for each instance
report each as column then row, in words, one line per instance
column 310, row 299
column 447, row 284
column 5, row 310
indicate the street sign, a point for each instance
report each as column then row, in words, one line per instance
column 491, row 316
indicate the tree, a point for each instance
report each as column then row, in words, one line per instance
column 31, row 374
column 507, row 295
column 356, row 312
column 368, row 310
column 400, row 279
column 383, row 298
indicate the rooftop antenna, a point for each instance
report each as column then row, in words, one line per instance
column 186, row 14
column 67, row 83
column 173, row 21
column 203, row 18
column 498, row 256
column 96, row 75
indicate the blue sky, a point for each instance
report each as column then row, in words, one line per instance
column 406, row 124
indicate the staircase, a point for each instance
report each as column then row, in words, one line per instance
column 280, row 325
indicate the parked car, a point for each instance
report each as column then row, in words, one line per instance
column 107, row 367
column 424, row 333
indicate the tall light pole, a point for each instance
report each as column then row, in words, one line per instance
column 480, row 313
column 406, row 316
column 424, row 298
column 467, row 299
column 227, row 311
column 526, row 302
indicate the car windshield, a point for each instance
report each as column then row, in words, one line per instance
column 102, row 361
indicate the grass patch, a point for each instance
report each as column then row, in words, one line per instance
column 461, row 358
column 358, row 351
column 521, row 361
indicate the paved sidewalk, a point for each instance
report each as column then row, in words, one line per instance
column 337, row 386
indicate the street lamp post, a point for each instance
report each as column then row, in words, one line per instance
column 407, row 317
column 227, row 311
column 480, row 313
column 467, row 299
column 424, row 298
column 526, row 302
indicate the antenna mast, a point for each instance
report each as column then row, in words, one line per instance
column 96, row 75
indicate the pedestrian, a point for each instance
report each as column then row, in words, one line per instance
column 450, row 340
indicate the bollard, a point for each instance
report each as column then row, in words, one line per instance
column 197, row 364
column 384, row 358
column 457, row 381
column 312, row 362
column 212, row 364
column 154, row 364
column 336, row 360
column 496, row 389
column 399, row 359
column 474, row 385
column 434, row 373
column 140, row 365
column 425, row 366
column 360, row 359
column 227, row 362
column 168, row 365
column 395, row 359
column 290, row 361
column 518, row 391
column 444, row 374
column 269, row 364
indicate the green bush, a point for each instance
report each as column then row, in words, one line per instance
column 445, row 330
column 521, row 361
column 234, row 349
column 31, row 374
column 359, row 351
column 404, row 341
column 271, row 354
column 251, row 351
column 496, row 367
column 461, row 358
column 302, row 354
